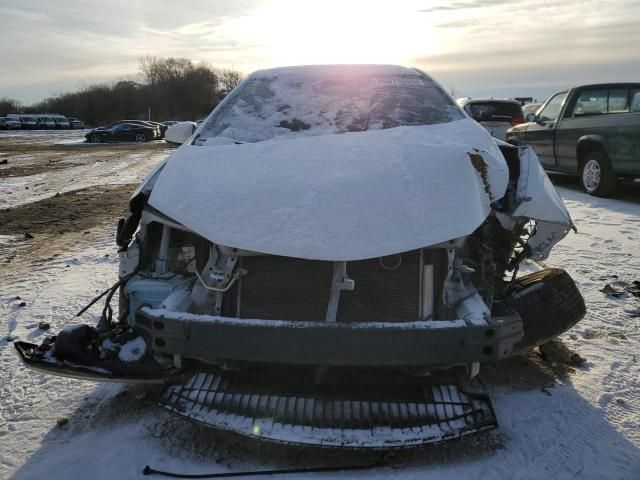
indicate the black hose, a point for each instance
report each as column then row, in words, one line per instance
column 111, row 290
column 256, row 473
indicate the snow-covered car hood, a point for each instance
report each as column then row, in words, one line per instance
column 337, row 197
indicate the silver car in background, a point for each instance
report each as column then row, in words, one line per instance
column 494, row 114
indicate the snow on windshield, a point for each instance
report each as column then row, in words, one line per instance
column 286, row 102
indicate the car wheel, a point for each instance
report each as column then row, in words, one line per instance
column 548, row 302
column 96, row 139
column 140, row 138
column 597, row 176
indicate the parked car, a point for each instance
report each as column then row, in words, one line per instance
column 144, row 123
column 9, row 123
column 61, row 121
column 329, row 237
column 76, row 123
column 46, row 122
column 161, row 127
column 495, row 115
column 530, row 108
column 592, row 131
column 122, row 132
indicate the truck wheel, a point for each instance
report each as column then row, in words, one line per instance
column 597, row 176
column 549, row 304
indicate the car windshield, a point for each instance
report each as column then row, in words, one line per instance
column 292, row 103
column 494, row 111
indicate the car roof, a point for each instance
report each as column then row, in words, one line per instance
column 608, row 85
column 321, row 70
column 466, row 100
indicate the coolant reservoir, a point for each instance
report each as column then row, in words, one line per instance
column 148, row 292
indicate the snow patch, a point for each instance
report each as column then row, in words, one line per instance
column 133, row 350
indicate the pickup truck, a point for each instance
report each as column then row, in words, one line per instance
column 592, row 131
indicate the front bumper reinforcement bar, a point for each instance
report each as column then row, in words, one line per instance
column 425, row 343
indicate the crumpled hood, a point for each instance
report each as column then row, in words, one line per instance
column 337, row 197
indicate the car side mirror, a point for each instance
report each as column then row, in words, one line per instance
column 531, row 117
column 180, row 132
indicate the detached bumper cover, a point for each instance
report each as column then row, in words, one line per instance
column 352, row 411
column 32, row 357
column 426, row 343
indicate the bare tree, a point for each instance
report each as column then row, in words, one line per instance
column 173, row 88
column 9, row 105
column 229, row 79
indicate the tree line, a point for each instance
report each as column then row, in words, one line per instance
column 169, row 89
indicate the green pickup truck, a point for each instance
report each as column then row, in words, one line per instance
column 592, row 131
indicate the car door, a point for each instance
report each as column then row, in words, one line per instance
column 116, row 133
column 541, row 133
column 587, row 114
column 125, row 132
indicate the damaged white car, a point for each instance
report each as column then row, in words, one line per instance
column 329, row 239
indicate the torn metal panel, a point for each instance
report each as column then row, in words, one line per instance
column 539, row 201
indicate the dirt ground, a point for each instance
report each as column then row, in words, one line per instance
column 57, row 194
column 74, row 211
column 23, row 159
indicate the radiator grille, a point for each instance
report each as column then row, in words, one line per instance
column 381, row 294
column 283, row 288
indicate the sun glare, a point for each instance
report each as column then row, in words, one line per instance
column 294, row 32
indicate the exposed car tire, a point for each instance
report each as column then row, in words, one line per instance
column 96, row 139
column 549, row 304
column 141, row 138
column 597, row 176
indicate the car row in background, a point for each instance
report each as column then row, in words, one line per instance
column 39, row 121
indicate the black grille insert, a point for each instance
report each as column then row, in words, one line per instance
column 351, row 409
column 284, row 288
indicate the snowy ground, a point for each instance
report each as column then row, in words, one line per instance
column 555, row 422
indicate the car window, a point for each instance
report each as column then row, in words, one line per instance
column 551, row 110
column 294, row 104
column 618, row 100
column 634, row 104
column 494, row 111
column 591, row 102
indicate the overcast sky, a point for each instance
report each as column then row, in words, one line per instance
column 476, row 47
